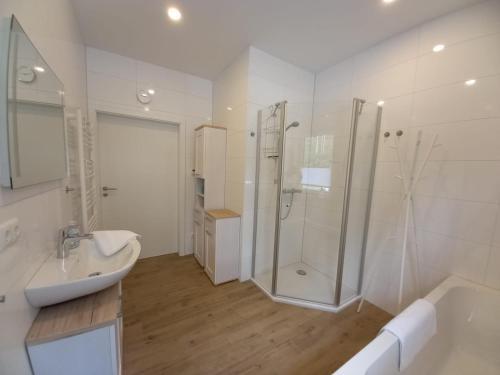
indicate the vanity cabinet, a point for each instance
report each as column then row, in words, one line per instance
column 222, row 245
column 78, row 337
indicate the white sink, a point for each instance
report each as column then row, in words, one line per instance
column 83, row 272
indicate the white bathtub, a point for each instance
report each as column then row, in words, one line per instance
column 467, row 340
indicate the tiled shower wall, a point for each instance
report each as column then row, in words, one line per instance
column 457, row 199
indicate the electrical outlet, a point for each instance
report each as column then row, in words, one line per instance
column 9, row 233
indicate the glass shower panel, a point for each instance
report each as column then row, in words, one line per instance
column 268, row 134
column 358, row 207
column 313, row 190
column 311, row 205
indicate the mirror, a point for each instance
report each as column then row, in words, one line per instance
column 32, row 128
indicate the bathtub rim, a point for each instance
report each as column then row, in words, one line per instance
column 362, row 361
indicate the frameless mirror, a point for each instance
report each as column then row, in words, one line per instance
column 32, row 127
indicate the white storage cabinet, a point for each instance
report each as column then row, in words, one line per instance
column 210, row 176
column 222, row 245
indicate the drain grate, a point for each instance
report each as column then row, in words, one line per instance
column 301, row 272
column 93, row 274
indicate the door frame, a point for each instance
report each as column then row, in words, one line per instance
column 170, row 119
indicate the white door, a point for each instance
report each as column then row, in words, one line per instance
column 139, row 158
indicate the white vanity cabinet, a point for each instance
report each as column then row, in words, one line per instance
column 222, row 245
column 78, row 337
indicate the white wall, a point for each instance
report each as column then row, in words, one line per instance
column 272, row 80
column 41, row 209
column 230, row 100
column 179, row 98
column 254, row 81
column 457, row 201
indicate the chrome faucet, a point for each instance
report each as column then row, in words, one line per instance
column 69, row 238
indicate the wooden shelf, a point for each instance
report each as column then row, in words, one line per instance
column 222, row 214
column 76, row 316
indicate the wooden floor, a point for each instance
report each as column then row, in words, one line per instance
column 176, row 322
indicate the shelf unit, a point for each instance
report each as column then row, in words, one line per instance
column 210, row 176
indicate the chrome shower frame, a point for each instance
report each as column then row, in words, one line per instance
column 337, row 304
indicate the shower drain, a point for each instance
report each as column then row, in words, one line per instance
column 301, row 272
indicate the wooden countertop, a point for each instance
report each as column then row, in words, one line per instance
column 76, row 316
column 222, row 214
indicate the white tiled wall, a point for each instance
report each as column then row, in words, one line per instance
column 457, row 200
column 254, row 81
column 179, row 98
column 44, row 208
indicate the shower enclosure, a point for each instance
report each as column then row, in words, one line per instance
column 314, row 181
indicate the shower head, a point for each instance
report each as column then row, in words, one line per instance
column 292, row 125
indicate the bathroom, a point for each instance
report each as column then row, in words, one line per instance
column 291, row 176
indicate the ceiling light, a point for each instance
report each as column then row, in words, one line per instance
column 39, row 68
column 229, row 108
column 388, row 1
column 146, row 109
column 438, row 48
column 380, row 103
column 470, row 82
column 151, row 91
column 174, row 14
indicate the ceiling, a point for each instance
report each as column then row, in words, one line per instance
column 312, row 34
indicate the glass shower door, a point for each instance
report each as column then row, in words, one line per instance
column 363, row 155
column 312, row 202
column 311, row 210
column 266, row 194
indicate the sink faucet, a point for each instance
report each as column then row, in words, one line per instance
column 69, row 238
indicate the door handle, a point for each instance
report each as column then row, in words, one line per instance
column 107, row 188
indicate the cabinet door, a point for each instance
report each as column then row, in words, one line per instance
column 198, row 241
column 210, row 253
column 199, row 147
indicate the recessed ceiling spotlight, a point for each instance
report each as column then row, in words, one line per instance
column 39, row 68
column 380, row 103
column 388, row 1
column 470, row 82
column 174, row 14
column 151, row 91
column 438, row 48
column 229, row 108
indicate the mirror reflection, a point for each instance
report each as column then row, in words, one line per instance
column 36, row 138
